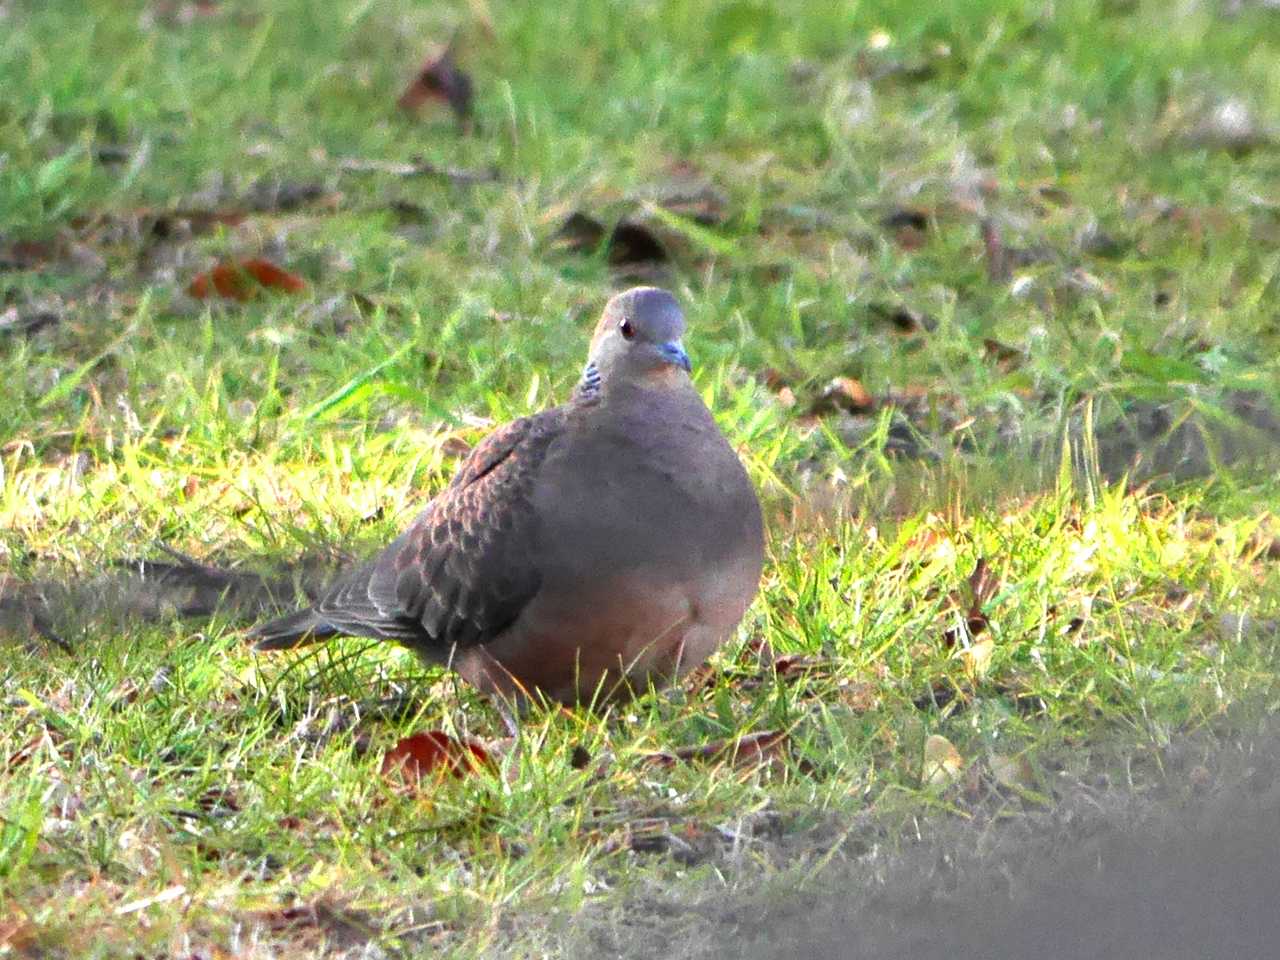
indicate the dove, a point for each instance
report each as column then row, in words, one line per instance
column 580, row 554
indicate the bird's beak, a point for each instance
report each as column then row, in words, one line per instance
column 673, row 352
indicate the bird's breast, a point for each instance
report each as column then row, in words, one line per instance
column 641, row 499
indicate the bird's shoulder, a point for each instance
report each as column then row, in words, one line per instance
column 468, row 563
column 512, row 450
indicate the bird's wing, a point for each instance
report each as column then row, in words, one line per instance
column 467, row 565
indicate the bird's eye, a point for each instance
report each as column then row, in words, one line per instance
column 627, row 330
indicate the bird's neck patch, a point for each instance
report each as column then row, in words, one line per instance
column 588, row 387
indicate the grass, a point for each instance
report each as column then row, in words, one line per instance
column 165, row 791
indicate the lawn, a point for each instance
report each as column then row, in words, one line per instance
column 984, row 295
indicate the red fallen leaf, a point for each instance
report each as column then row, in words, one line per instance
column 271, row 276
column 433, row 753
column 240, row 280
column 439, row 79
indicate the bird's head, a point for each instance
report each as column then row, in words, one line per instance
column 638, row 338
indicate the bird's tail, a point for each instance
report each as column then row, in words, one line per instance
column 293, row 630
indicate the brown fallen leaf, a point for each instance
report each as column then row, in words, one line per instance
column 28, row 322
column 998, row 267
column 634, row 246
column 218, row 800
column 24, row 752
column 225, row 280
column 1013, row 773
column 795, row 664
column 340, row 925
column 194, row 222
column 942, row 762
column 909, row 226
column 579, row 233
column 902, row 318
column 20, row 936
column 843, row 393
column 752, row 750
column 1005, row 357
column 440, row 80
column 28, row 254
column 1056, row 195
column 433, row 754
column 981, row 586
column 696, row 200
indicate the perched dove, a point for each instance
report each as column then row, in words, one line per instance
column 579, row 553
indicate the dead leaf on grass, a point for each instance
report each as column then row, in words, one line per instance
column 688, row 194
column 798, row 664
column 998, row 266
column 20, row 936
column 579, row 233
column 1007, row 358
column 942, row 762
column 1014, row 773
column 981, row 586
column 433, row 754
column 440, row 80
column 27, row 322
column 910, row 227
column 241, row 280
column 28, row 749
column 750, row 751
column 341, row 925
column 634, row 246
column 843, row 393
column 1056, row 195
column 903, row 319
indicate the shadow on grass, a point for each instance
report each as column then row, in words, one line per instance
column 1172, row 855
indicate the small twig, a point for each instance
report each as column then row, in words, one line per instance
column 418, row 168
